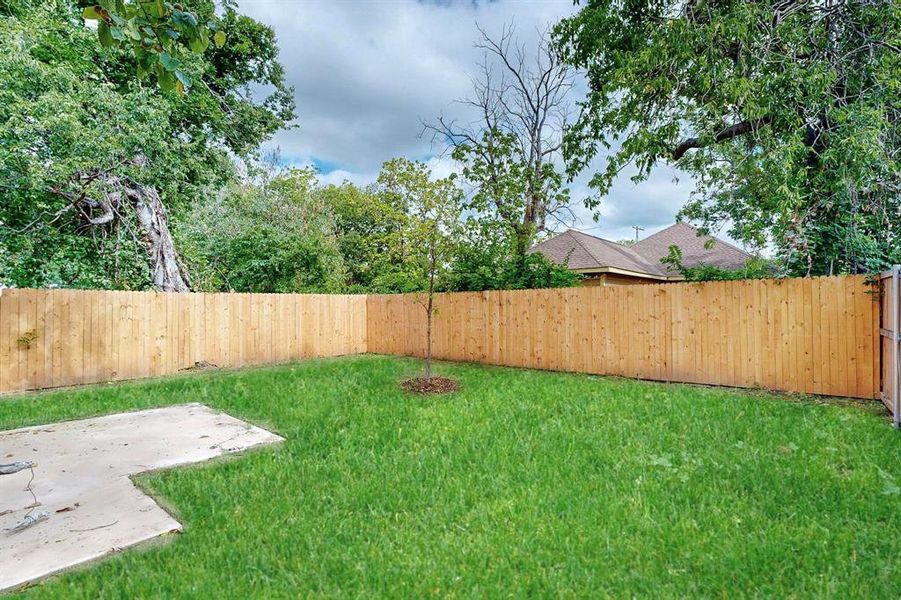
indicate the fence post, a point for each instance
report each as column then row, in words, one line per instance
column 896, row 341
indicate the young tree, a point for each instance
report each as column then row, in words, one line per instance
column 786, row 113
column 433, row 208
column 512, row 149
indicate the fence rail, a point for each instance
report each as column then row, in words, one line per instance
column 819, row 335
column 51, row 338
column 815, row 335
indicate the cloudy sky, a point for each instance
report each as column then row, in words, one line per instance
column 366, row 73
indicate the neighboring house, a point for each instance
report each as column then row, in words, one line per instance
column 604, row 262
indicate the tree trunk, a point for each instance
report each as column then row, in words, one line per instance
column 429, row 309
column 523, row 239
column 167, row 272
column 428, row 343
column 118, row 195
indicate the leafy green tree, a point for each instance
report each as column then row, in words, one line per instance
column 370, row 224
column 786, row 113
column 273, row 232
column 94, row 166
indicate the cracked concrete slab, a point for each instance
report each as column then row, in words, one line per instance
column 82, row 482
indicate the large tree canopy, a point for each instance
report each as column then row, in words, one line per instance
column 786, row 113
column 92, row 160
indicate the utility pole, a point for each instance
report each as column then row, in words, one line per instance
column 637, row 229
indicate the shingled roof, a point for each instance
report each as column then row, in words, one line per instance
column 693, row 246
column 582, row 252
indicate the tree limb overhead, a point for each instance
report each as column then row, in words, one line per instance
column 728, row 133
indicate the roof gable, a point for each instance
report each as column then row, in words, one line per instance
column 693, row 246
column 589, row 252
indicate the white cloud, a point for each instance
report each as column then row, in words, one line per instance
column 367, row 73
column 339, row 176
column 442, row 166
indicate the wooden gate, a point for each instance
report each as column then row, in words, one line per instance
column 890, row 331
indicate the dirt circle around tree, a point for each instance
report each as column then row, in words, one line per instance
column 432, row 385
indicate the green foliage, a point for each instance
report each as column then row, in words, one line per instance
column 271, row 233
column 785, row 113
column 248, row 61
column 755, row 268
column 431, row 228
column 157, row 33
column 71, row 110
column 385, row 229
column 280, row 231
column 523, row 484
column 58, row 116
column 485, row 259
column 374, row 226
column 370, row 225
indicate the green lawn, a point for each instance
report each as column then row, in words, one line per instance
column 523, row 483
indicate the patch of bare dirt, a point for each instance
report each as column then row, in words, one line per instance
column 433, row 385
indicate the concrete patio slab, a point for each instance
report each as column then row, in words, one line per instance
column 82, row 482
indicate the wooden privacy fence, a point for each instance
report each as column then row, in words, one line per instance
column 818, row 335
column 51, row 338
